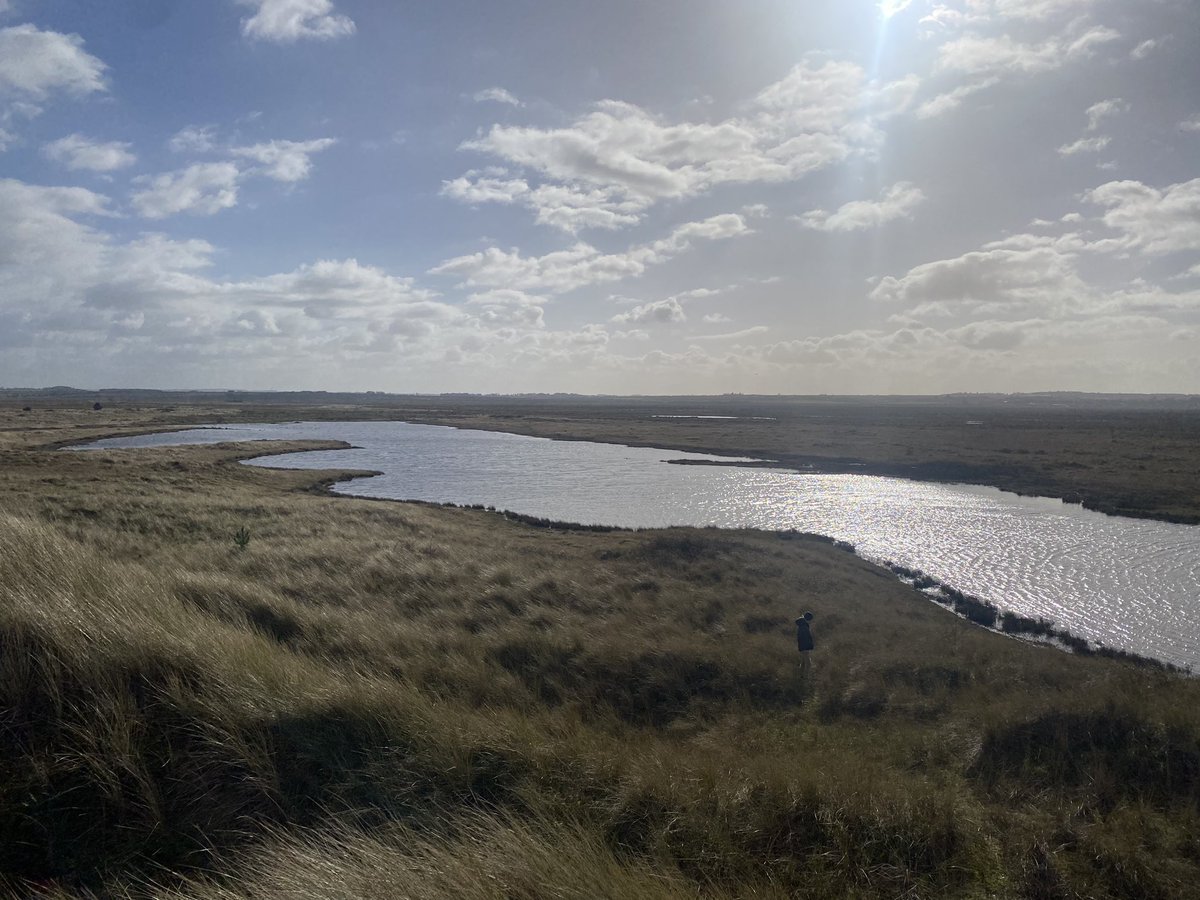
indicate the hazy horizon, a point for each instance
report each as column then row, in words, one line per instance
column 901, row 197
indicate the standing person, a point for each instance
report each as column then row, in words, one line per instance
column 804, row 640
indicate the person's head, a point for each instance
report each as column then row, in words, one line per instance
column 808, row 617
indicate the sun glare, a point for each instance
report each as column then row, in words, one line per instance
column 889, row 8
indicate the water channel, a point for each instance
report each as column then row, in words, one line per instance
column 1128, row 583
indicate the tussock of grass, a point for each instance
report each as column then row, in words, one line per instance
column 379, row 700
column 480, row 858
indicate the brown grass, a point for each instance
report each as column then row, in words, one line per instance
column 388, row 700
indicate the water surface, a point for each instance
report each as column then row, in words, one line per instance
column 1128, row 583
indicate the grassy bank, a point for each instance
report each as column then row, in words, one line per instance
column 373, row 699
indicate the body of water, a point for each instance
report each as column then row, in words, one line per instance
column 1128, row 583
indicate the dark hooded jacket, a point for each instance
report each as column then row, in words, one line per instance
column 804, row 639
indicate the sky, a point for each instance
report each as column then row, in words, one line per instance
column 627, row 197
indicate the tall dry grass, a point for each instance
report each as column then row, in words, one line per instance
column 386, row 700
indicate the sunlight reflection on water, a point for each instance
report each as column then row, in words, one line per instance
column 1129, row 583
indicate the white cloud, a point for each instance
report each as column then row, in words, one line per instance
column 78, row 152
column 608, row 166
column 286, row 21
column 897, row 202
column 201, row 189
column 1037, row 10
column 944, row 18
column 1001, row 55
column 1098, row 112
column 193, row 139
column 286, row 161
column 1084, row 145
column 1152, row 220
column 474, row 190
column 497, row 95
column 950, row 100
column 37, row 63
column 982, row 13
column 1192, row 124
column 505, row 297
column 742, row 334
column 38, row 228
column 1145, row 48
column 560, row 206
column 582, row 264
column 46, row 252
column 1027, row 270
column 893, row 98
column 327, row 287
column 70, row 290
column 659, row 312
column 889, row 8
column 572, row 210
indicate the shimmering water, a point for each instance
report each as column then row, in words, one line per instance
column 1128, row 583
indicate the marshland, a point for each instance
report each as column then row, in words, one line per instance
column 221, row 681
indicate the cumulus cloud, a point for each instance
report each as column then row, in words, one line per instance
column 66, row 283
column 1151, row 220
column 475, row 189
column 39, row 229
column 1145, row 48
column 1192, row 124
column 1084, row 145
column 201, row 189
column 1036, row 10
column 287, row 161
column 193, row 139
column 611, row 164
column 582, row 264
column 497, row 95
column 326, row 287
column 952, row 99
column 78, row 152
column 287, row 21
column 1029, row 270
column 982, row 13
column 897, row 202
column 37, row 63
column 560, row 206
column 659, row 312
column 1098, row 112
column 572, row 210
column 986, row 57
column 207, row 188
column 998, row 55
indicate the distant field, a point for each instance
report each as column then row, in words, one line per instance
column 376, row 699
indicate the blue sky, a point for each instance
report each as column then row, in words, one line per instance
column 629, row 197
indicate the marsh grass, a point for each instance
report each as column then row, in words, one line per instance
column 375, row 699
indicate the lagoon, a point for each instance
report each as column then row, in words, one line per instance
column 1128, row 583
